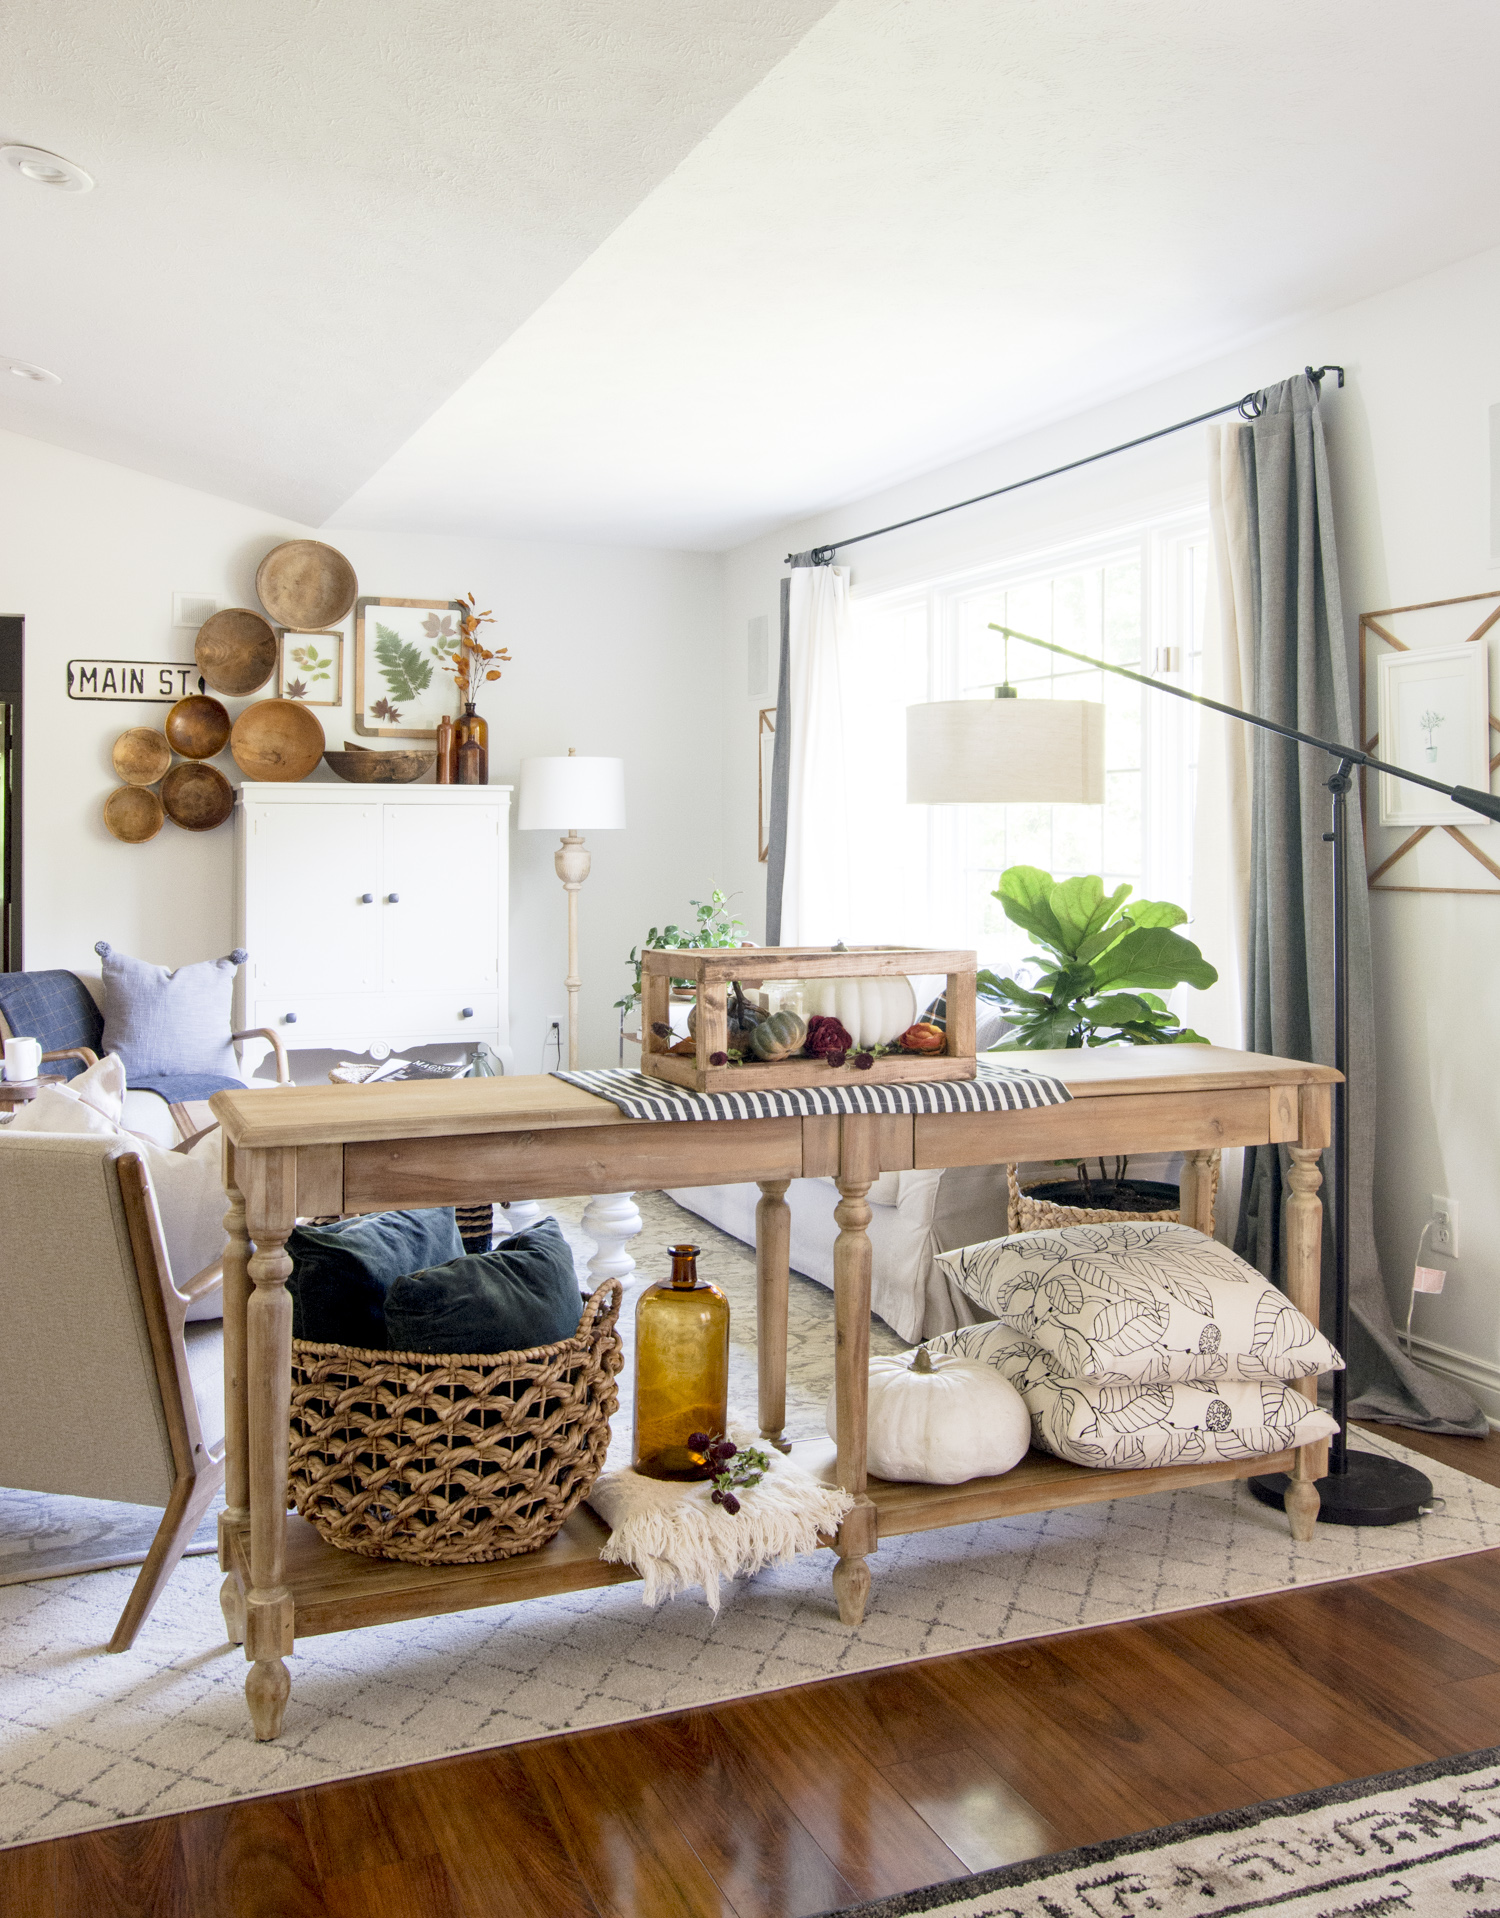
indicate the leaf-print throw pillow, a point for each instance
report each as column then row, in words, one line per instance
column 1128, row 1428
column 1141, row 1304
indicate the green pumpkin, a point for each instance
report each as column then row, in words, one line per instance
column 778, row 1036
column 742, row 1019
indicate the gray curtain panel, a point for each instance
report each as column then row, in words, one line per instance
column 1302, row 679
column 781, row 760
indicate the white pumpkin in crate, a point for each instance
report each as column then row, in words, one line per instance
column 874, row 1012
column 938, row 1419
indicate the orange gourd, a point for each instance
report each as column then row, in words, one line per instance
column 923, row 1037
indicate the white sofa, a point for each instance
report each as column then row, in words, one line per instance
column 913, row 1217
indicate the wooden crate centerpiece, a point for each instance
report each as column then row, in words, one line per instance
column 770, row 978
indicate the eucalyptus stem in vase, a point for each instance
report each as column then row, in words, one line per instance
column 470, row 666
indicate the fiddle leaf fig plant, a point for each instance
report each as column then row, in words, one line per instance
column 1105, row 961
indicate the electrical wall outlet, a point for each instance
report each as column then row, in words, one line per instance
column 1443, row 1237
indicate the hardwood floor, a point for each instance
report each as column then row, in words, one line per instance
column 805, row 1800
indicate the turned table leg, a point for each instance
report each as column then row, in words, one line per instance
column 1196, row 1192
column 773, row 1253
column 610, row 1219
column 858, row 1165
column 234, row 1520
column 268, row 1179
column 1304, row 1281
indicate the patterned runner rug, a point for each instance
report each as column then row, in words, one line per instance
column 1423, row 1843
column 88, row 1739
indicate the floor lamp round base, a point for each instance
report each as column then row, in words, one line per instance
column 1375, row 1490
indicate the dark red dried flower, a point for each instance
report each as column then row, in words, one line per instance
column 864, row 1060
column 827, row 1037
column 718, row 1058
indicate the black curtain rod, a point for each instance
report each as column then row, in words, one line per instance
column 1250, row 406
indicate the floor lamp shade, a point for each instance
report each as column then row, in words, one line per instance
column 572, row 794
column 977, row 751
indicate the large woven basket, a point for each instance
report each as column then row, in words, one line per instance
column 452, row 1458
column 1043, row 1215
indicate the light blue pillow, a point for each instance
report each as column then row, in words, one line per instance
column 164, row 1022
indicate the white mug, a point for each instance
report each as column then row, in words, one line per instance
column 23, row 1058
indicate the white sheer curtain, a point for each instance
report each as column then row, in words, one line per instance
column 815, row 891
column 1221, row 848
column 1221, row 824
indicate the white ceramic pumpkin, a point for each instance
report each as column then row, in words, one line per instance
column 874, row 1012
column 938, row 1419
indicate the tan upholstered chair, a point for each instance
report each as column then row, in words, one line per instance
column 108, row 1394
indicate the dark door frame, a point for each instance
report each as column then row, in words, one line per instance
column 12, row 686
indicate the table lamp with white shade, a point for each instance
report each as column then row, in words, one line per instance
column 572, row 796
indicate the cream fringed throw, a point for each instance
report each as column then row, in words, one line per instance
column 676, row 1537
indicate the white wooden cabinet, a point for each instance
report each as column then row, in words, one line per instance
column 373, row 915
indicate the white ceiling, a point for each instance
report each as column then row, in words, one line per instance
column 314, row 219
column 675, row 273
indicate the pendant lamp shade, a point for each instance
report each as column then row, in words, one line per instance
column 977, row 751
column 572, row 794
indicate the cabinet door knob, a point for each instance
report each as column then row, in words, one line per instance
column 467, row 1013
column 393, row 898
column 291, row 1018
column 367, row 898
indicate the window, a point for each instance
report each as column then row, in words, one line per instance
column 1136, row 598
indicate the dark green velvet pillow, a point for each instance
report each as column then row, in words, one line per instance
column 523, row 1293
column 342, row 1273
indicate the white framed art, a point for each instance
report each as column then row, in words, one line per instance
column 1434, row 718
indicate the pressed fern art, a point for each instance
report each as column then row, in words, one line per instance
column 405, row 671
column 402, row 650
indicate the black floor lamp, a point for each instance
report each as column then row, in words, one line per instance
column 1362, row 1488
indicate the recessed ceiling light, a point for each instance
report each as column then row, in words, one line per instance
column 47, row 169
column 24, row 370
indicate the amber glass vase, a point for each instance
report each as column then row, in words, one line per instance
column 471, row 747
column 445, row 773
column 681, row 1370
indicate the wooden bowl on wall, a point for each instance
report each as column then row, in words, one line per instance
column 361, row 767
column 198, row 727
column 306, row 585
column 236, row 651
column 141, row 755
column 276, row 739
column 133, row 814
column 196, row 797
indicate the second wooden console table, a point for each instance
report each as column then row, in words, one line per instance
column 301, row 1150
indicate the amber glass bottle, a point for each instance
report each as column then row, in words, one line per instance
column 471, row 747
column 445, row 773
column 681, row 1370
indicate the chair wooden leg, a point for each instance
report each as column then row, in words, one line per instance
column 191, row 1498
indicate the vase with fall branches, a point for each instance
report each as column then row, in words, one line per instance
column 471, row 665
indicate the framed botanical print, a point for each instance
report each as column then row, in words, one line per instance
column 401, row 648
column 1434, row 718
column 767, row 747
column 310, row 667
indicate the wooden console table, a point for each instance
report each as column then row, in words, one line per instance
column 303, row 1150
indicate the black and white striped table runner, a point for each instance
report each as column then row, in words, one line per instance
column 998, row 1088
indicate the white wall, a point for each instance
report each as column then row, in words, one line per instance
column 1408, row 443
column 615, row 651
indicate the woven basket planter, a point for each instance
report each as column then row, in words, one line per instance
column 452, row 1458
column 1043, row 1215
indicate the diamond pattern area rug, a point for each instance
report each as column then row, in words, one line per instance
column 88, row 1739
column 1423, row 1843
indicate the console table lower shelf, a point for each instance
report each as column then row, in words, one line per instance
column 334, row 1591
column 300, row 1151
